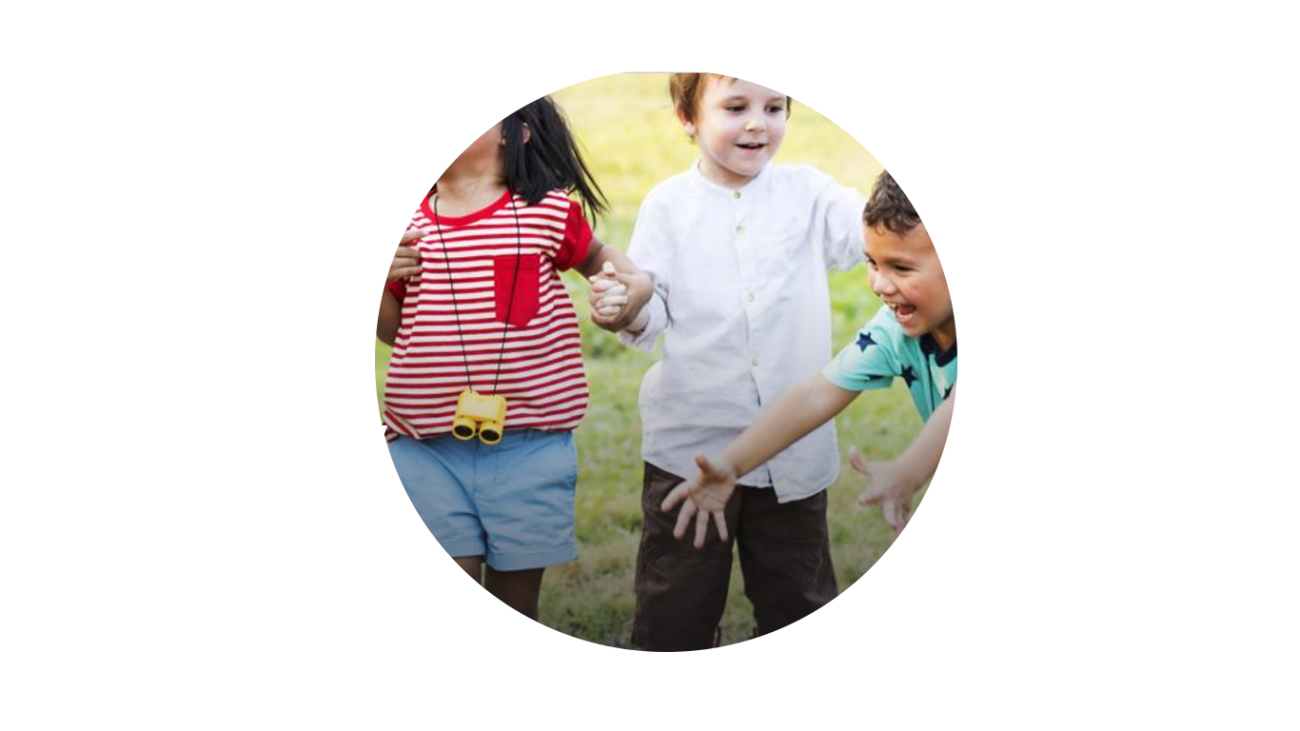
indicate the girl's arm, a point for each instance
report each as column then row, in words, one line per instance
column 639, row 286
column 406, row 263
column 390, row 318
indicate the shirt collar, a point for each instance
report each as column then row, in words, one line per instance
column 756, row 183
column 941, row 357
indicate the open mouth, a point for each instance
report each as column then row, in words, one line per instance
column 751, row 145
column 905, row 314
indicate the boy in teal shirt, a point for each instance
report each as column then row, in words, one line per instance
column 913, row 337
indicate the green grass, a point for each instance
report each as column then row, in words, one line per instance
column 632, row 141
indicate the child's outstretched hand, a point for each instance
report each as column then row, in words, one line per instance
column 890, row 488
column 406, row 262
column 703, row 496
column 617, row 298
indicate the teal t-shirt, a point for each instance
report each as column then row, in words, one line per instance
column 883, row 352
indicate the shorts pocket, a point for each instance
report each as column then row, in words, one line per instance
column 515, row 282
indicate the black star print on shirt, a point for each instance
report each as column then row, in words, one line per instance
column 909, row 375
column 864, row 340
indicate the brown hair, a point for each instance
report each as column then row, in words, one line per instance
column 686, row 90
column 889, row 207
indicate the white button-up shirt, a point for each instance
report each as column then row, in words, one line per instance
column 742, row 299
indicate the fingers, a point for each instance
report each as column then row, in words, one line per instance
column 701, row 527
column 406, row 261
column 889, row 510
column 873, row 495
column 600, row 283
column 857, row 462
column 684, row 519
column 613, row 299
column 896, row 514
column 607, row 275
column 720, row 519
column 678, row 494
column 607, row 298
column 414, row 235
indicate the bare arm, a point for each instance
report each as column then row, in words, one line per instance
column 390, row 318
column 406, row 264
column 894, row 483
column 804, row 407
column 639, row 287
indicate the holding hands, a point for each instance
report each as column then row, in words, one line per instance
column 617, row 299
column 702, row 497
column 406, row 262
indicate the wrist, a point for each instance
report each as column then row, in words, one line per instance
column 637, row 326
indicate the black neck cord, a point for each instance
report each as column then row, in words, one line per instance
column 446, row 258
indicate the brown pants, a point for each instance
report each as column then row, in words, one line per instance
column 681, row 591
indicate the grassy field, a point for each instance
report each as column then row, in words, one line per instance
column 632, row 141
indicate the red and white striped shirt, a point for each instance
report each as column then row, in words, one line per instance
column 501, row 267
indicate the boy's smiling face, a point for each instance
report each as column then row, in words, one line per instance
column 907, row 277
column 738, row 126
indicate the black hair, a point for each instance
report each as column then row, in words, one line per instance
column 549, row 159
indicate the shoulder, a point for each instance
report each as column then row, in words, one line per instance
column 558, row 200
column 554, row 210
column 886, row 331
column 672, row 188
column 667, row 200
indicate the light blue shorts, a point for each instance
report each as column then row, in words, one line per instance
column 510, row 502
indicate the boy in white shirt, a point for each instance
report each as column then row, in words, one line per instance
column 739, row 251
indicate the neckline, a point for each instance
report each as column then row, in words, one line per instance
column 930, row 346
column 465, row 220
column 722, row 189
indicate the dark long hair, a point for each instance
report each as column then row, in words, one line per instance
column 549, row 160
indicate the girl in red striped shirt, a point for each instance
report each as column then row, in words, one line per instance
column 482, row 327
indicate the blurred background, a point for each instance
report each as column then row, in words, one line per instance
column 631, row 140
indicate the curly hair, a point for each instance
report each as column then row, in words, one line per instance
column 890, row 208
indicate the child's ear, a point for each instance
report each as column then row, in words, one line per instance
column 526, row 133
column 687, row 125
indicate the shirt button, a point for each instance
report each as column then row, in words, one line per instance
column 750, row 296
column 754, row 360
column 736, row 195
column 740, row 230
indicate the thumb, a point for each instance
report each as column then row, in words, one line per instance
column 706, row 467
column 608, row 270
column 873, row 495
column 627, row 277
column 709, row 470
column 858, row 463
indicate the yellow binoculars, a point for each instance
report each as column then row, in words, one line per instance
column 480, row 414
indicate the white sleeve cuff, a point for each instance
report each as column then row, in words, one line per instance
column 656, row 321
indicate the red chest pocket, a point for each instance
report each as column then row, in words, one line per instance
column 516, row 282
